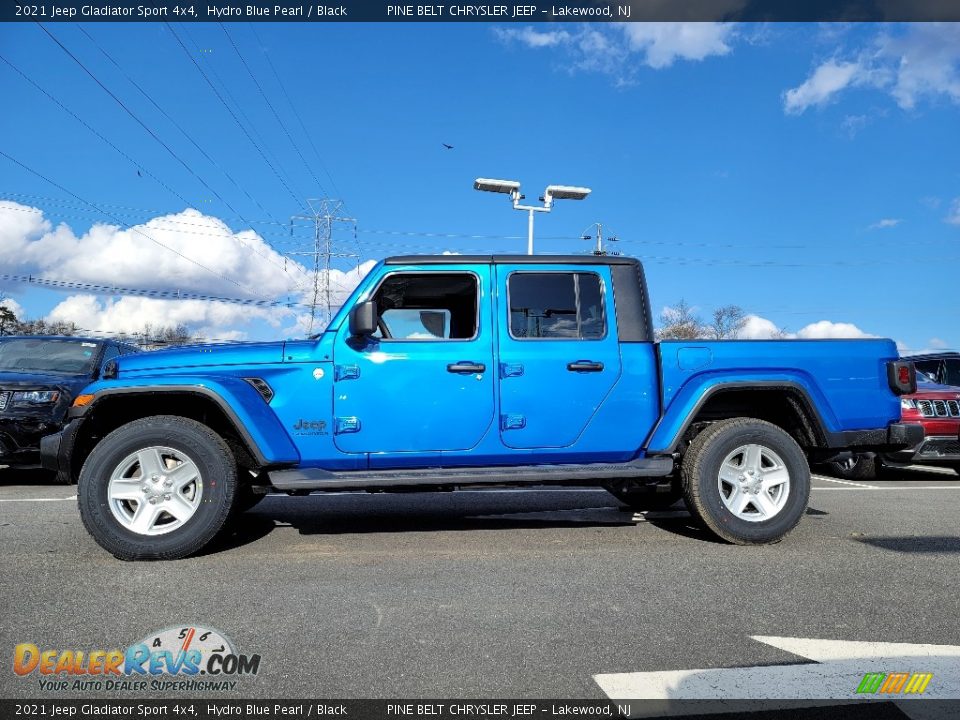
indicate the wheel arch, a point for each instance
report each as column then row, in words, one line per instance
column 113, row 408
column 783, row 403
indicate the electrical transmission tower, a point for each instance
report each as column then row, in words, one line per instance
column 599, row 238
column 324, row 214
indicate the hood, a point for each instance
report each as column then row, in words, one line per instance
column 926, row 388
column 200, row 356
column 29, row 380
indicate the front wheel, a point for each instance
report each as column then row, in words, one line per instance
column 747, row 480
column 159, row 488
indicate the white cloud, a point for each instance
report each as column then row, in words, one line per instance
column 828, row 329
column 531, row 37
column 953, row 217
column 885, row 223
column 911, row 63
column 614, row 48
column 663, row 43
column 225, row 263
column 758, row 328
column 825, row 82
column 13, row 306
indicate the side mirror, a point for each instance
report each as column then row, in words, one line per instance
column 363, row 319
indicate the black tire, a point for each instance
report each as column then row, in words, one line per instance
column 245, row 499
column 700, row 475
column 217, row 473
column 859, row 467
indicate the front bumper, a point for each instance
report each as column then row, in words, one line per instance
column 934, row 450
column 20, row 439
column 55, row 449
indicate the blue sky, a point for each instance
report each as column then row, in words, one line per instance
column 808, row 173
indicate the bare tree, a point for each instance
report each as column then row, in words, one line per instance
column 727, row 323
column 680, row 323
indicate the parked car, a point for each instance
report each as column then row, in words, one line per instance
column 442, row 372
column 39, row 378
column 941, row 367
column 934, row 407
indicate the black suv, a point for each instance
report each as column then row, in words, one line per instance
column 39, row 377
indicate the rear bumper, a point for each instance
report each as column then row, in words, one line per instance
column 893, row 438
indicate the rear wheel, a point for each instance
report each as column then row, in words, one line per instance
column 857, row 467
column 157, row 488
column 747, row 480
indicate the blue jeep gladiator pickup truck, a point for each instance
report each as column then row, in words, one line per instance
column 441, row 372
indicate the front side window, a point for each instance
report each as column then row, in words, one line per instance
column 427, row 306
column 556, row 305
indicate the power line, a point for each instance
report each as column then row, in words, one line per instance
column 232, row 114
column 276, row 115
column 296, row 114
column 155, row 137
column 172, row 120
column 138, row 292
column 129, row 227
column 76, row 117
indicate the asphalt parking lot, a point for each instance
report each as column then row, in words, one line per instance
column 506, row 593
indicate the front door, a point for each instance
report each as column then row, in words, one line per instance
column 559, row 354
column 425, row 382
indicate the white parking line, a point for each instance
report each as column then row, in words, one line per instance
column 843, row 482
column 915, row 487
column 72, row 497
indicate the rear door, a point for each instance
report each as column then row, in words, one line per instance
column 559, row 353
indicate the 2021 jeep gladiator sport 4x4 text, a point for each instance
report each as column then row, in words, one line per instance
column 447, row 371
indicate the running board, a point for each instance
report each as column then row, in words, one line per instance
column 319, row 479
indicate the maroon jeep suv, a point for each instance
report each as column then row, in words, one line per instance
column 936, row 406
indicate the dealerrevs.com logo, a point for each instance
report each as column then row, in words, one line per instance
column 177, row 658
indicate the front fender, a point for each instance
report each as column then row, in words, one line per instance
column 687, row 401
column 252, row 417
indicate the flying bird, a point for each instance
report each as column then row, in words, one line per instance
column 448, row 147
column 138, row 174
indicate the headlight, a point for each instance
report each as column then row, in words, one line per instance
column 907, row 404
column 35, row 397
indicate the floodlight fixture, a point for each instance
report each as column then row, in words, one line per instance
column 512, row 188
column 507, row 187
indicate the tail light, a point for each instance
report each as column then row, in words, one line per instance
column 902, row 377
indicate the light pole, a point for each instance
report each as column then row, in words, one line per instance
column 512, row 188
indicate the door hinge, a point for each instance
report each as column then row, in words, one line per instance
column 511, row 370
column 512, row 422
column 346, row 372
column 344, row 425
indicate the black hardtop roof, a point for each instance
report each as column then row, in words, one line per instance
column 934, row 355
column 511, row 260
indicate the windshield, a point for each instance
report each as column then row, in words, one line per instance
column 952, row 371
column 41, row 355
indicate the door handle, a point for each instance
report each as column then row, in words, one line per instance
column 466, row 367
column 585, row 366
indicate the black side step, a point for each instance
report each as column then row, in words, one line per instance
column 318, row 479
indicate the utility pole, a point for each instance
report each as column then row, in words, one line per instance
column 599, row 237
column 324, row 212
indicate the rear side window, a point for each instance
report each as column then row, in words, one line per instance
column 556, row 306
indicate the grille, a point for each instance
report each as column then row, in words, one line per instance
column 939, row 408
column 936, row 447
column 4, row 399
